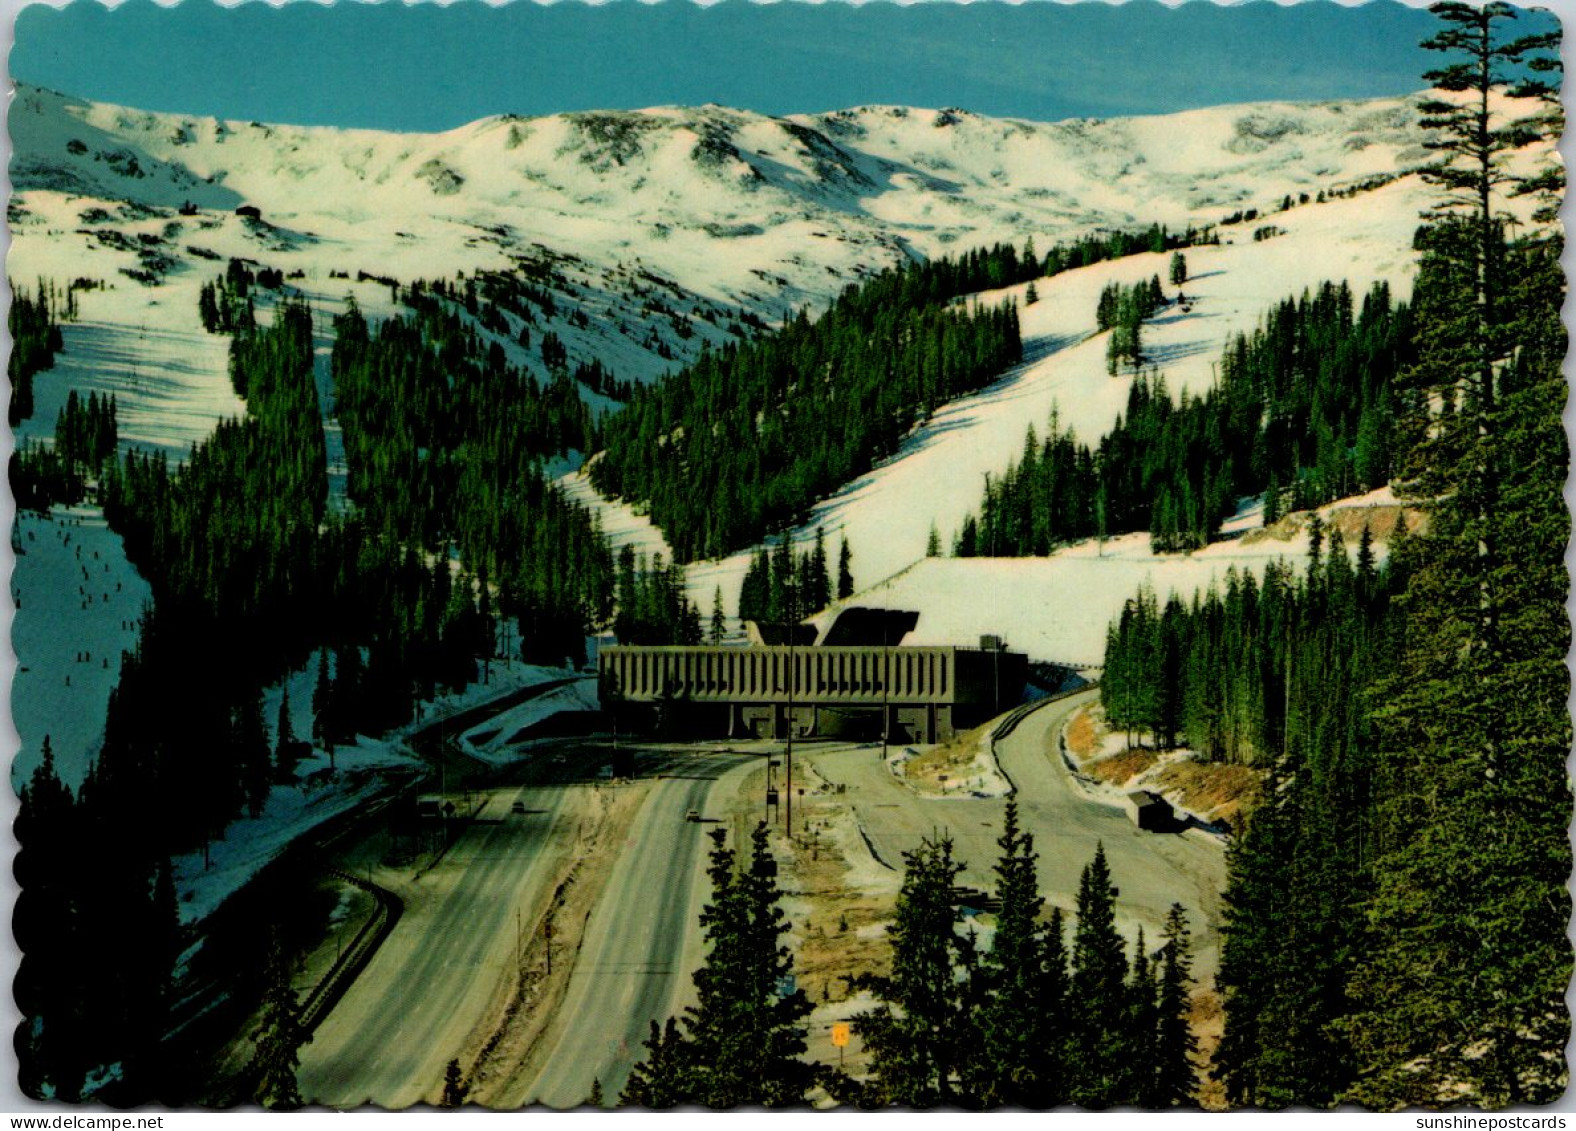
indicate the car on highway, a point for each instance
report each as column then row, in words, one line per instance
column 692, row 815
column 517, row 807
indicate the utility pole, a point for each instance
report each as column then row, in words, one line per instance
column 996, row 674
column 793, row 621
column 788, row 768
column 886, row 685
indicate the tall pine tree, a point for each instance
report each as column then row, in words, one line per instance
column 743, row 1043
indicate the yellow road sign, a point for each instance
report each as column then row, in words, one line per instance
column 840, row 1034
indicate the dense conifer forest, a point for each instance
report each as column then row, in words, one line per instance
column 1410, row 858
column 1097, row 247
column 34, row 324
column 1029, row 1021
column 86, row 437
column 742, row 442
column 747, row 438
column 782, row 586
column 653, row 606
column 1303, row 414
column 1257, row 668
column 444, row 443
column 253, row 576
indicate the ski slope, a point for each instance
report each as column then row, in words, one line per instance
column 938, row 477
column 665, row 228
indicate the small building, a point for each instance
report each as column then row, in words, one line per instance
column 250, row 211
column 1149, row 811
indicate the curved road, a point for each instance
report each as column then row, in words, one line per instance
column 1150, row 870
column 388, row 1039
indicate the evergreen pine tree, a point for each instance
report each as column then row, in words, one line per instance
column 284, row 739
column 322, row 698
column 1469, row 914
column 845, row 570
column 52, row 1043
column 1097, row 992
column 1135, row 1070
column 252, row 755
column 1172, row 1082
column 455, row 1090
column 719, row 620
column 665, row 1077
column 1023, row 978
column 279, row 1035
column 820, row 581
column 755, row 592
column 743, row 1042
column 922, row 1034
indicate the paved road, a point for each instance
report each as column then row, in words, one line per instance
column 642, row 941
column 388, row 1040
column 390, row 1036
column 1151, row 870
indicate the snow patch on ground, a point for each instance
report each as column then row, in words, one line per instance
column 491, row 741
column 326, row 788
column 937, row 477
column 205, row 880
column 865, row 874
column 979, row 777
column 1054, row 609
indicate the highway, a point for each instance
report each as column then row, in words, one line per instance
column 1150, row 870
column 389, row 1038
column 422, row 997
column 642, row 942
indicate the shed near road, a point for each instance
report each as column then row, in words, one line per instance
column 1149, row 811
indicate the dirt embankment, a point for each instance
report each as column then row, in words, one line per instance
column 844, row 905
column 1217, row 792
column 527, row 1009
column 1379, row 518
column 933, row 771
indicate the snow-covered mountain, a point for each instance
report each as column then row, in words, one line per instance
column 737, row 208
column 662, row 229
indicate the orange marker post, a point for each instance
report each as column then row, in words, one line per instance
column 840, row 1039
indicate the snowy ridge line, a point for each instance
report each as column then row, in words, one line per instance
column 326, row 994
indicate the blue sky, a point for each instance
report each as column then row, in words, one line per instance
column 425, row 67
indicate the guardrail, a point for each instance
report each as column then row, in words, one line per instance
column 1018, row 714
column 326, row 994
